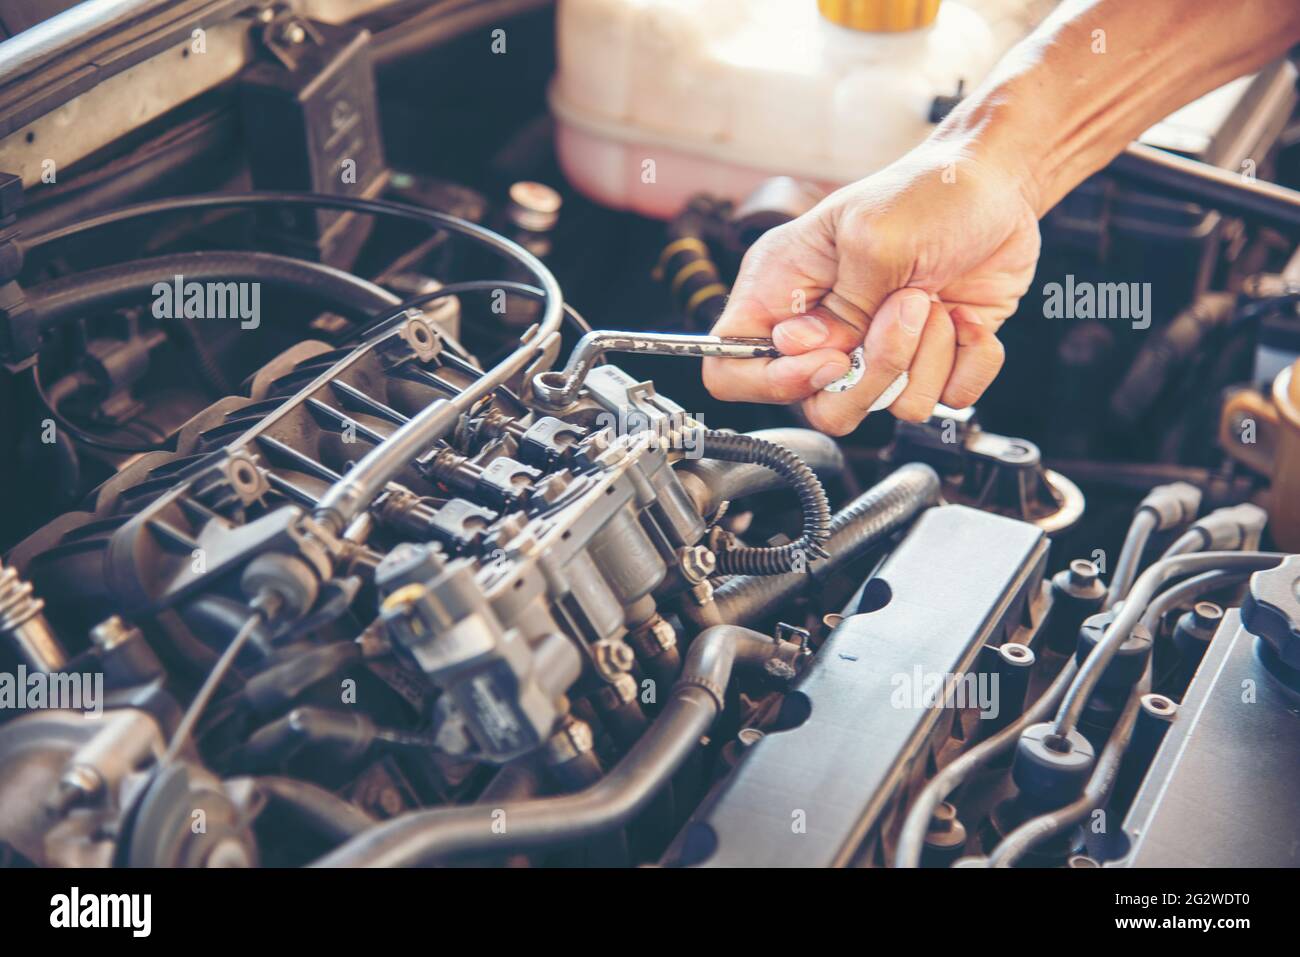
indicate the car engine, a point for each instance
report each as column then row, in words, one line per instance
column 364, row 507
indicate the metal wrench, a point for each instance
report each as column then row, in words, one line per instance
column 558, row 390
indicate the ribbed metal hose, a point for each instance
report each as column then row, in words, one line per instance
column 750, row 450
column 876, row 513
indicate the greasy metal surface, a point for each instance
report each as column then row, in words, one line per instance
column 1222, row 791
column 958, row 581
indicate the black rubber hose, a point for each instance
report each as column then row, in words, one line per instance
column 1166, row 354
column 397, row 313
column 128, row 284
column 715, row 482
column 750, row 450
column 697, row 698
column 324, row 811
column 876, row 513
column 363, row 483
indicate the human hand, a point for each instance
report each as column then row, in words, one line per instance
column 920, row 264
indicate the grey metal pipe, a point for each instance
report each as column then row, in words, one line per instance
column 911, row 837
column 695, row 701
column 56, row 36
column 1131, row 612
column 1225, row 190
column 876, row 513
column 1045, row 826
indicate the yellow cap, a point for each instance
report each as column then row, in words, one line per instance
column 880, row 16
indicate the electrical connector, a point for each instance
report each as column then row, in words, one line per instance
column 1232, row 528
column 1172, row 505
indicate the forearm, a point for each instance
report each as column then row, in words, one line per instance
column 1099, row 72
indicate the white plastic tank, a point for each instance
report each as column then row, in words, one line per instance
column 656, row 100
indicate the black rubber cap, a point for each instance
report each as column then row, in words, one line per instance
column 1049, row 770
column 1129, row 661
column 1271, row 610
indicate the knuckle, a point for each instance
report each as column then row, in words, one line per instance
column 960, row 396
column 785, row 383
column 894, row 361
column 835, row 420
column 917, row 407
column 864, row 231
column 997, row 353
column 911, row 411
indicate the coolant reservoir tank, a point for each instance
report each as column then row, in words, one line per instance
column 656, row 100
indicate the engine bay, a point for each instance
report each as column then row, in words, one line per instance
column 364, row 501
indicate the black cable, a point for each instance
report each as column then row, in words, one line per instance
column 357, row 489
column 381, row 324
column 870, row 518
column 82, row 436
column 776, row 560
column 275, row 198
column 129, row 283
column 190, row 719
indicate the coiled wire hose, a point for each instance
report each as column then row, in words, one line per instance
column 778, row 559
column 875, row 514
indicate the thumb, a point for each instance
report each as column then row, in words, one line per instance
column 891, row 344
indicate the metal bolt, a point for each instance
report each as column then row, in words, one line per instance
column 1082, row 572
column 697, row 562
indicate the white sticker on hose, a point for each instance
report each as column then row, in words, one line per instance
column 858, row 368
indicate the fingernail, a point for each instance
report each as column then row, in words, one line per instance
column 805, row 331
column 913, row 310
column 825, row 375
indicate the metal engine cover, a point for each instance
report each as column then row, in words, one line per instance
column 821, row 794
